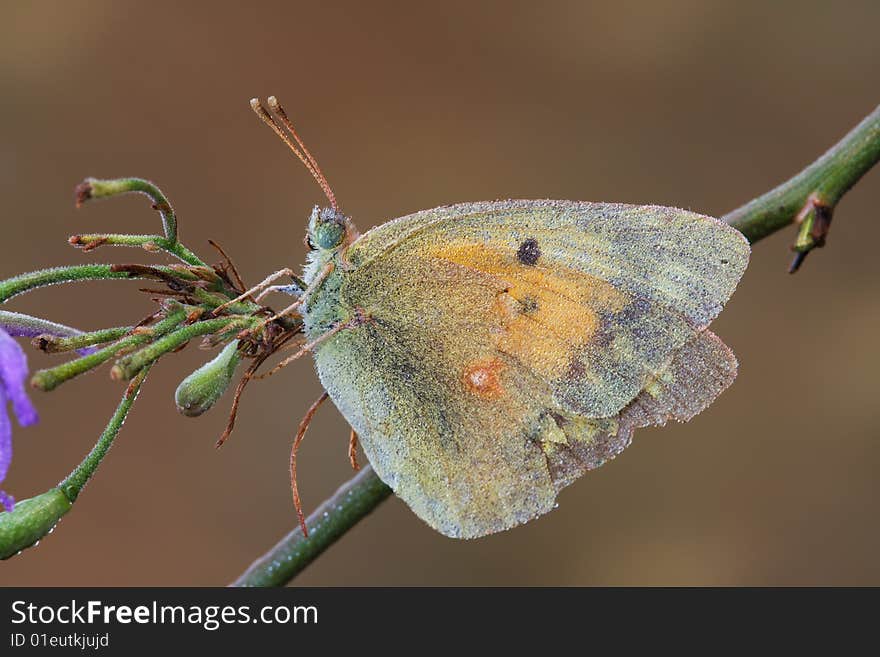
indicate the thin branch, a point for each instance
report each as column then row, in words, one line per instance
column 810, row 197
column 828, row 178
column 352, row 502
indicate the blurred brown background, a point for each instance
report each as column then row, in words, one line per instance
column 407, row 106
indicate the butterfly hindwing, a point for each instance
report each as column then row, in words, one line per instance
column 700, row 371
column 464, row 463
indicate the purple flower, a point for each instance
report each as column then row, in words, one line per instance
column 13, row 372
column 24, row 326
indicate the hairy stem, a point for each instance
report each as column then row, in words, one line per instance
column 129, row 366
column 147, row 242
column 94, row 188
column 44, row 277
column 51, row 378
column 73, row 483
column 52, row 344
column 830, row 177
column 37, row 516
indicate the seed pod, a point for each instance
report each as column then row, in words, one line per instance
column 200, row 390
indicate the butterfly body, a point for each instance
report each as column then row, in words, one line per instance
column 488, row 354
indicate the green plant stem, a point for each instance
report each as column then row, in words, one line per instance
column 37, row 516
column 148, row 242
column 51, row 378
column 73, row 483
column 831, row 175
column 52, row 344
column 22, row 283
column 95, row 188
column 130, row 365
column 829, row 178
column 348, row 505
column 36, row 279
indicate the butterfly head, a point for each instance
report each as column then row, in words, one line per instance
column 329, row 229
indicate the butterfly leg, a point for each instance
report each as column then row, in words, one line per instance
column 294, row 290
column 300, row 434
column 359, row 318
column 301, row 299
column 352, row 450
column 281, row 273
column 309, row 291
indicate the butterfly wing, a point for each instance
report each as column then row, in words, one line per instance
column 513, row 345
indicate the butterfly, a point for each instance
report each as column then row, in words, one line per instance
column 486, row 355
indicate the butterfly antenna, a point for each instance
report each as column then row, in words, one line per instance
column 296, row 144
column 276, row 107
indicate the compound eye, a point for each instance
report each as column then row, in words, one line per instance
column 329, row 235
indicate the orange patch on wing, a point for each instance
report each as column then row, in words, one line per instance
column 546, row 313
column 483, row 378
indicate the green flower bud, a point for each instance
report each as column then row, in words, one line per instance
column 30, row 521
column 200, row 390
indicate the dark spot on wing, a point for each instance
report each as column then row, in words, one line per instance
column 528, row 305
column 529, row 252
